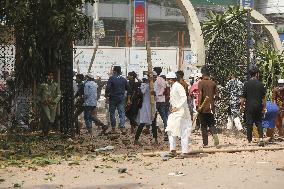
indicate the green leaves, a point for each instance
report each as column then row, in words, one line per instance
column 225, row 36
column 43, row 28
column 271, row 65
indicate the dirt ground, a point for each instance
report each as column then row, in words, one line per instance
column 101, row 170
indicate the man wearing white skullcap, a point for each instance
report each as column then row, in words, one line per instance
column 179, row 120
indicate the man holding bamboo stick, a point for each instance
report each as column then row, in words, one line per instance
column 206, row 108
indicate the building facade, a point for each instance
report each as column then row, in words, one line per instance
column 165, row 23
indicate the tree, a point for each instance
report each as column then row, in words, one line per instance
column 45, row 31
column 271, row 64
column 225, row 35
column 226, row 38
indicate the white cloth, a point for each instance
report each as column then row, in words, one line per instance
column 144, row 114
column 184, row 140
column 236, row 122
column 179, row 121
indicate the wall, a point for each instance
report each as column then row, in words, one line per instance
column 131, row 59
column 270, row 6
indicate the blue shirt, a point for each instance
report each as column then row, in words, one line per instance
column 90, row 93
column 116, row 87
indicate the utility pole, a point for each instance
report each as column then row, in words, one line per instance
column 96, row 18
column 248, row 42
column 95, row 38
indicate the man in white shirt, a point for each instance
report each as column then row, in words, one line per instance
column 179, row 121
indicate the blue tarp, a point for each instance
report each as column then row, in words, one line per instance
column 281, row 35
column 270, row 116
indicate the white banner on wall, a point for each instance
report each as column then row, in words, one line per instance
column 166, row 58
column 105, row 59
column 130, row 59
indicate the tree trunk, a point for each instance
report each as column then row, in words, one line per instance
column 66, row 86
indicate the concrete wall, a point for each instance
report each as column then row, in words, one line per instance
column 270, row 6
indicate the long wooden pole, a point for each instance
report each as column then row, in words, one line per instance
column 151, row 79
column 93, row 57
column 212, row 151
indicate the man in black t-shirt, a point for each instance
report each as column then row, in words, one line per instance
column 253, row 98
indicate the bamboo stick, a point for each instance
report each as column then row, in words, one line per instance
column 93, row 57
column 151, row 80
column 202, row 105
column 212, row 151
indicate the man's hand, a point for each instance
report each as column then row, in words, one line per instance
column 199, row 109
column 242, row 109
column 174, row 109
column 128, row 102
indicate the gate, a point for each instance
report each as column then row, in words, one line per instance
column 7, row 62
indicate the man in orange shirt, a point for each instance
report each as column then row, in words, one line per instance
column 278, row 98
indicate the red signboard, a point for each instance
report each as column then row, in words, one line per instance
column 139, row 21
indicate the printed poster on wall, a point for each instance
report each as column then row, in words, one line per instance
column 139, row 21
column 248, row 3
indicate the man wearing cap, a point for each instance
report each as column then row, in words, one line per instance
column 90, row 103
column 160, row 86
column 278, row 98
column 179, row 121
column 115, row 90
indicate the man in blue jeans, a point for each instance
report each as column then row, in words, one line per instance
column 115, row 91
column 90, row 104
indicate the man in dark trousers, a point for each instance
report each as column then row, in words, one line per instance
column 79, row 101
column 207, row 96
column 90, row 104
column 160, row 86
column 116, row 88
column 253, row 98
column 136, row 98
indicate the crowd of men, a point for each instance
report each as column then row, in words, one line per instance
column 183, row 107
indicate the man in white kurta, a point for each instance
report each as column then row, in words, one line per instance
column 179, row 121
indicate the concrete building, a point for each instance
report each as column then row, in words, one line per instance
column 166, row 24
column 273, row 10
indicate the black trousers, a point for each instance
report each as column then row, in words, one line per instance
column 132, row 120
column 207, row 120
column 140, row 129
column 78, row 110
column 252, row 117
column 45, row 123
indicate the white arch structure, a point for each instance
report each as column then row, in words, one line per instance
column 271, row 30
column 194, row 27
column 196, row 36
